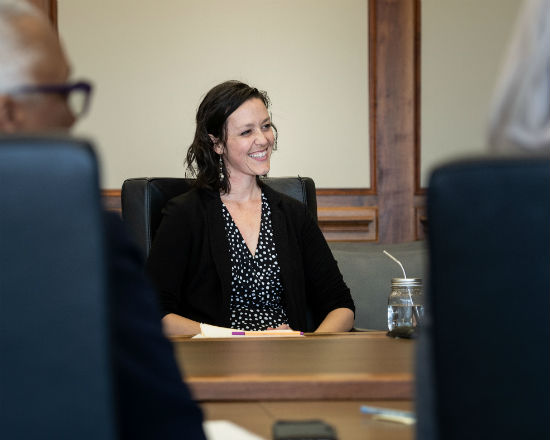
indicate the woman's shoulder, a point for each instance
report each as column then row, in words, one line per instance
column 192, row 200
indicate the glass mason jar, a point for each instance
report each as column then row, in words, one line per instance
column 405, row 303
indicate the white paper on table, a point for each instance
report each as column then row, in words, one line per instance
column 226, row 430
column 213, row 331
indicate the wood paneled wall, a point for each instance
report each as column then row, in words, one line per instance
column 392, row 209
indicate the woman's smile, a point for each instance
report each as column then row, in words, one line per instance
column 259, row 155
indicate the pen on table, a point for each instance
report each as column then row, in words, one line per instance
column 267, row 333
column 394, row 415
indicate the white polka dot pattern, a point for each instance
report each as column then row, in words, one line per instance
column 256, row 285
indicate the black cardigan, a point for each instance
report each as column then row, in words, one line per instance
column 190, row 261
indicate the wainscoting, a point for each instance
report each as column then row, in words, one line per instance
column 344, row 215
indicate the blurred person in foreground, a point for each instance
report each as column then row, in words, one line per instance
column 519, row 120
column 519, row 124
column 36, row 97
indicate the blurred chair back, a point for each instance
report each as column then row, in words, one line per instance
column 144, row 198
column 489, row 241
column 55, row 364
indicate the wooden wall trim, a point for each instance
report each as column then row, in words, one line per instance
column 372, row 97
column 349, row 223
column 418, row 190
column 343, row 191
column 111, row 200
column 111, row 193
column 395, row 123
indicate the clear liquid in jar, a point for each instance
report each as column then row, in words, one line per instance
column 403, row 316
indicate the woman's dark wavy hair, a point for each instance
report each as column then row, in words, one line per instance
column 222, row 100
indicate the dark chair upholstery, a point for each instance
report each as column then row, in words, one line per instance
column 488, row 300
column 144, row 198
column 55, row 361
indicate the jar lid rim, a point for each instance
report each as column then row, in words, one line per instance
column 406, row 281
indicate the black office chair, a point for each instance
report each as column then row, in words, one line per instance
column 55, row 361
column 488, row 301
column 144, row 198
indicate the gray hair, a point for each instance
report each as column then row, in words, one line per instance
column 520, row 115
column 15, row 59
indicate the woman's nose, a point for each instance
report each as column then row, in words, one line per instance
column 261, row 138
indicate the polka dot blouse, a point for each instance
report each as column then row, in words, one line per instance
column 256, row 285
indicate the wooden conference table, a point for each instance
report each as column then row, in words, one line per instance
column 256, row 381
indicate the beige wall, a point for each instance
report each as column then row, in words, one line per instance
column 463, row 45
column 153, row 61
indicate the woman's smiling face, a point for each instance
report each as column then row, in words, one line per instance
column 249, row 141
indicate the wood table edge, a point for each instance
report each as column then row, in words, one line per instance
column 355, row 386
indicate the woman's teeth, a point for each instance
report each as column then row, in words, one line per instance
column 259, row 154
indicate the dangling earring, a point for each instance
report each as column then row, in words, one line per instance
column 221, row 169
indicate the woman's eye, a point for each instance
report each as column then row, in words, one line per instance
column 244, row 133
column 267, row 126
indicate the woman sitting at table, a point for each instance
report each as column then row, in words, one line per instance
column 233, row 252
